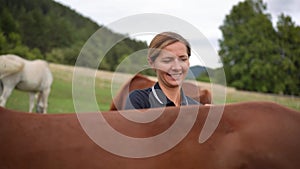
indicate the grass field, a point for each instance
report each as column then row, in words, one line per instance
column 61, row 101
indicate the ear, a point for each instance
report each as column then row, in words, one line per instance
column 151, row 63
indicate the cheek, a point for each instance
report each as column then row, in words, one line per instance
column 161, row 67
column 185, row 66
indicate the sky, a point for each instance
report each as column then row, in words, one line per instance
column 206, row 15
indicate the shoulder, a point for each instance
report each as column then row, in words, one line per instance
column 138, row 99
column 140, row 93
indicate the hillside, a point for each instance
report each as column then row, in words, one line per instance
column 46, row 29
column 196, row 71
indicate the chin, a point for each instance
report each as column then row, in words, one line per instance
column 173, row 82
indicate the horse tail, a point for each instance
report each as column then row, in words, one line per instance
column 9, row 64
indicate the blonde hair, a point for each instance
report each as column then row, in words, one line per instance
column 164, row 39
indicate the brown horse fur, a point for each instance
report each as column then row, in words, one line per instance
column 141, row 82
column 249, row 135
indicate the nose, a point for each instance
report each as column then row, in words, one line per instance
column 176, row 66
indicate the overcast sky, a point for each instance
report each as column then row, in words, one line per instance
column 205, row 15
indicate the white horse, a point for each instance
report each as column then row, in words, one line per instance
column 31, row 76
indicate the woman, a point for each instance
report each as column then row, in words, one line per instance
column 169, row 56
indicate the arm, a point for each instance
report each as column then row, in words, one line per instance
column 138, row 99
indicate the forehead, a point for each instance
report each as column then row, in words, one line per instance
column 177, row 48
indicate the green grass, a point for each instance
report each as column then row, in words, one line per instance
column 242, row 96
column 61, row 99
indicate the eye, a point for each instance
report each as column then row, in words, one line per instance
column 184, row 58
column 167, row 60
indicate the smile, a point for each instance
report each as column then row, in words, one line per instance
column 175, row 75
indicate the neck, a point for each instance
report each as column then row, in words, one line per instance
column 173, row 93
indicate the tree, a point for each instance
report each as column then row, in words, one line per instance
column 289, row 42
column 7, row 23
column 250, row 49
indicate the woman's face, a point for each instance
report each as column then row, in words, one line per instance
column 172, row 65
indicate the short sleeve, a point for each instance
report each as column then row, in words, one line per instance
column 138, row 99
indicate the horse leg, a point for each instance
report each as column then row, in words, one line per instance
column 39, row 105
column 5, row 94
column 43, row 102
column 45, row 99
column 31, row 101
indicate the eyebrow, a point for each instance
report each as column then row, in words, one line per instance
column 183, row 56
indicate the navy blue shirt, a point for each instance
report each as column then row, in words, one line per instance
column 154, row 97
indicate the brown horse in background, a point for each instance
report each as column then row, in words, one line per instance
column 141, row 82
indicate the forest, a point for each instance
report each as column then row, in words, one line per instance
column 256, row 55
column 45, row 29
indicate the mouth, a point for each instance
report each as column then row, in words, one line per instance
column 175, row 76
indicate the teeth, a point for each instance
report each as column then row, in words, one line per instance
column 177, row 75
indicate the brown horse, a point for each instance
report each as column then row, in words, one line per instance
column 141, row 82
column 249, row 135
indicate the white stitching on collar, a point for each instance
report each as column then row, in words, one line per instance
column 157, row 98
column 187, row 103
column 155, row 95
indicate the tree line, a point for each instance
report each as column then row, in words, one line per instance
column 257, row 56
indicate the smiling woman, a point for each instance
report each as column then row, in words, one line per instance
column 168, row 55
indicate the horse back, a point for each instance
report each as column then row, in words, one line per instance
column 249, row 135
column 36, row 75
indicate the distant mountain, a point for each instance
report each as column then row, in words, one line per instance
column 196, row 71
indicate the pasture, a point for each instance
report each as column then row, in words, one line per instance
column 60, row 99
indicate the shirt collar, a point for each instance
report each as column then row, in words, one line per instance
column 163, row 99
